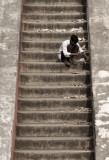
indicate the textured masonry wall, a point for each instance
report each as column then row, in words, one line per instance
column 99, row 45
column 9, row 48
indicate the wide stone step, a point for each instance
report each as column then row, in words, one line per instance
column 59, row 35
column 51, row 67
column 32, row 25
column 53, row 143
column 54, row 1
column 36, row 56
column 54, row 130
column 53, row 91
column 74, row 78
column 51, row 8
column 59, row 104
column 53, row 17
column 77, row 117
column 54, row 154
column 46, row 45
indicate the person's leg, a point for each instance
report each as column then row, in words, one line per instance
column 71, row 60
column 59, row 58
column 65, row 59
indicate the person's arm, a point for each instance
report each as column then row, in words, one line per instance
column 66, row 53
column 83, row 54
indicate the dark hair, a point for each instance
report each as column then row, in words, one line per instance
column 74, row 38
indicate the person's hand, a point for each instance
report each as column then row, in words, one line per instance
column 75, row 54
column 85, row 56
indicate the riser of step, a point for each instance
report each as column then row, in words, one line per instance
column 47, row 67
column 58, row 91
column 53, row 17
column 53, row 104
column 54, row 117
column 59, row 35
column 66, row 8
column 50, row 46
column 54, row 79
column 62, row 130
column 53, row 25
column 54, row 1
column 28, row 56
column 53, row 155
column 54, row 143
column 38, row 55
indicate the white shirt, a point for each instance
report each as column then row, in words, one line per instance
column 63, row 48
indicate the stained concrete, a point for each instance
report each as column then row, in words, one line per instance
column 9, row 49
column 98, row 16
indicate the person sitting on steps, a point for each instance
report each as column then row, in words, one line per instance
column 68, row 48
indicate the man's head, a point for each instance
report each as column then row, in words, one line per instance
column 73, row 39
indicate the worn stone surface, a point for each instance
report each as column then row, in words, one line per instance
column 98, row 15
column 9, row 48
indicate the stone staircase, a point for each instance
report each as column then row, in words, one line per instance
column 54, row 117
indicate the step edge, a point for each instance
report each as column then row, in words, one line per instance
column 56, row 22
column 54, row 74
column 53, row 112
column 54, row 14
column 53, row 125
column 54, row 138
column 74, row 4
column 49, row 99
column 54, row 87
column 55, row 151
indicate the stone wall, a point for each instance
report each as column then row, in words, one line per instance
column 9, row 48
column 98, row 16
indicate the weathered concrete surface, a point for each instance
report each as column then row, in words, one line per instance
column 99, row 44
column 9, row 48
